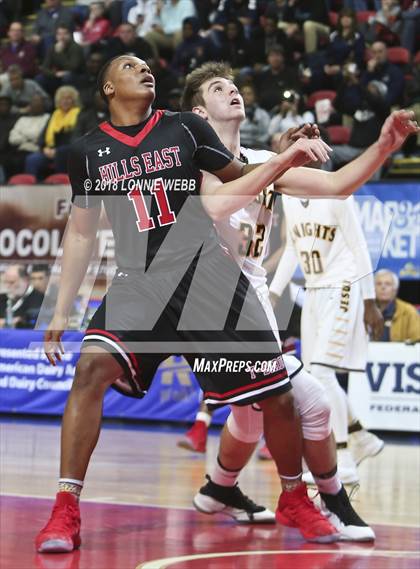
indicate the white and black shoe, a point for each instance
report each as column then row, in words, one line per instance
column 229, row 500
column 341, row 514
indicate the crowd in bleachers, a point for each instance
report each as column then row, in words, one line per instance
column 343, row 63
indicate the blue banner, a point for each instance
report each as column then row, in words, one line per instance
column 29, row 384
column 389, row 214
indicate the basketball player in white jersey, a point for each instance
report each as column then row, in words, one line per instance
column 211, row 93
column 325, row 238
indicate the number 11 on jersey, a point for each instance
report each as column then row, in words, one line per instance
column 144, row 221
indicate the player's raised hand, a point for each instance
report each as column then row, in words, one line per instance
column 293, row 134
column 307, row 150
column 53, row 347
column 397, row 127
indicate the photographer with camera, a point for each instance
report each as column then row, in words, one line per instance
column 290, row 113
column 368, row 106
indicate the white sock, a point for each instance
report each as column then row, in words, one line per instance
column 328, row 484
column 223, row 476
column 70, row 485
column 204, row 417
column 337, row 399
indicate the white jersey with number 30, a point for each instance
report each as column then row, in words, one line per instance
column 325, row 237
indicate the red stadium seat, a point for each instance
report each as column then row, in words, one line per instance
column 57, row 179
column 364, row 15
column 319, row 95
column 398, row 55
column 339, row 134
column 333, row 17
column 21, row 180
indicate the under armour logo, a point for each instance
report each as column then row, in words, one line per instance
column 106, row 151
column 305, row 203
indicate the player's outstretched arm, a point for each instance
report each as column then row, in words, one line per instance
column 312, row 183
column 79, row 241
column 222, row 199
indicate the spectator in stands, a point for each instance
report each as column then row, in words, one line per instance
column 369, row 107
column 315, row 19
column 385, row 25
column 402, row 321
column 380, row 69
column 39, row 277
column 4, row 79
column 47, row 21
column 63, row 58
column 142, row 16
column 97, row 27
column 243, row 10
column 91, row 116
column 363, row 5
column 7, row 120
column 21, row 91
column 126, row 41
column 166, row 81
column 254, row 129
column 233, row 47
column 9, row 11
column 193, row 51
column 40, row 281
column 58, row 134
column 410, row 25
column 86, row 82
column 346, row 44
column 276, row 79
column 290, row 113
column 269, row 35
column 18, row 51
column 21, row 303
column 167, row 31
column 26, row 133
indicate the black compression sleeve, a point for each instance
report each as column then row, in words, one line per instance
column 209, row 154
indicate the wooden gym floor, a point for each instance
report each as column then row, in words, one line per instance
column 137, row 513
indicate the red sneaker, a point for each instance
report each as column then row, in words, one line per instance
column 264, row 453
column 62, row 532
column 196, row 438
column 296, row 510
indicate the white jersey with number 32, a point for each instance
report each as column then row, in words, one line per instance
column 246, row 232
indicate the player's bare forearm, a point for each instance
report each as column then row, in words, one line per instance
column 222, row 199
column 305, row 183
column 77, row 251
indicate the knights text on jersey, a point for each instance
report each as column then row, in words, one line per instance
column 148, row 178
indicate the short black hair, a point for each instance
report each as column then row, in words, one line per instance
column 100, row 81
column 40, row 268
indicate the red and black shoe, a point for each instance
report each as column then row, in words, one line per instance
column 62, row 532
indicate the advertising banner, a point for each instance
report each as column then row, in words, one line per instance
column 387, row 397
column 30, row 385
column 390, row 216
